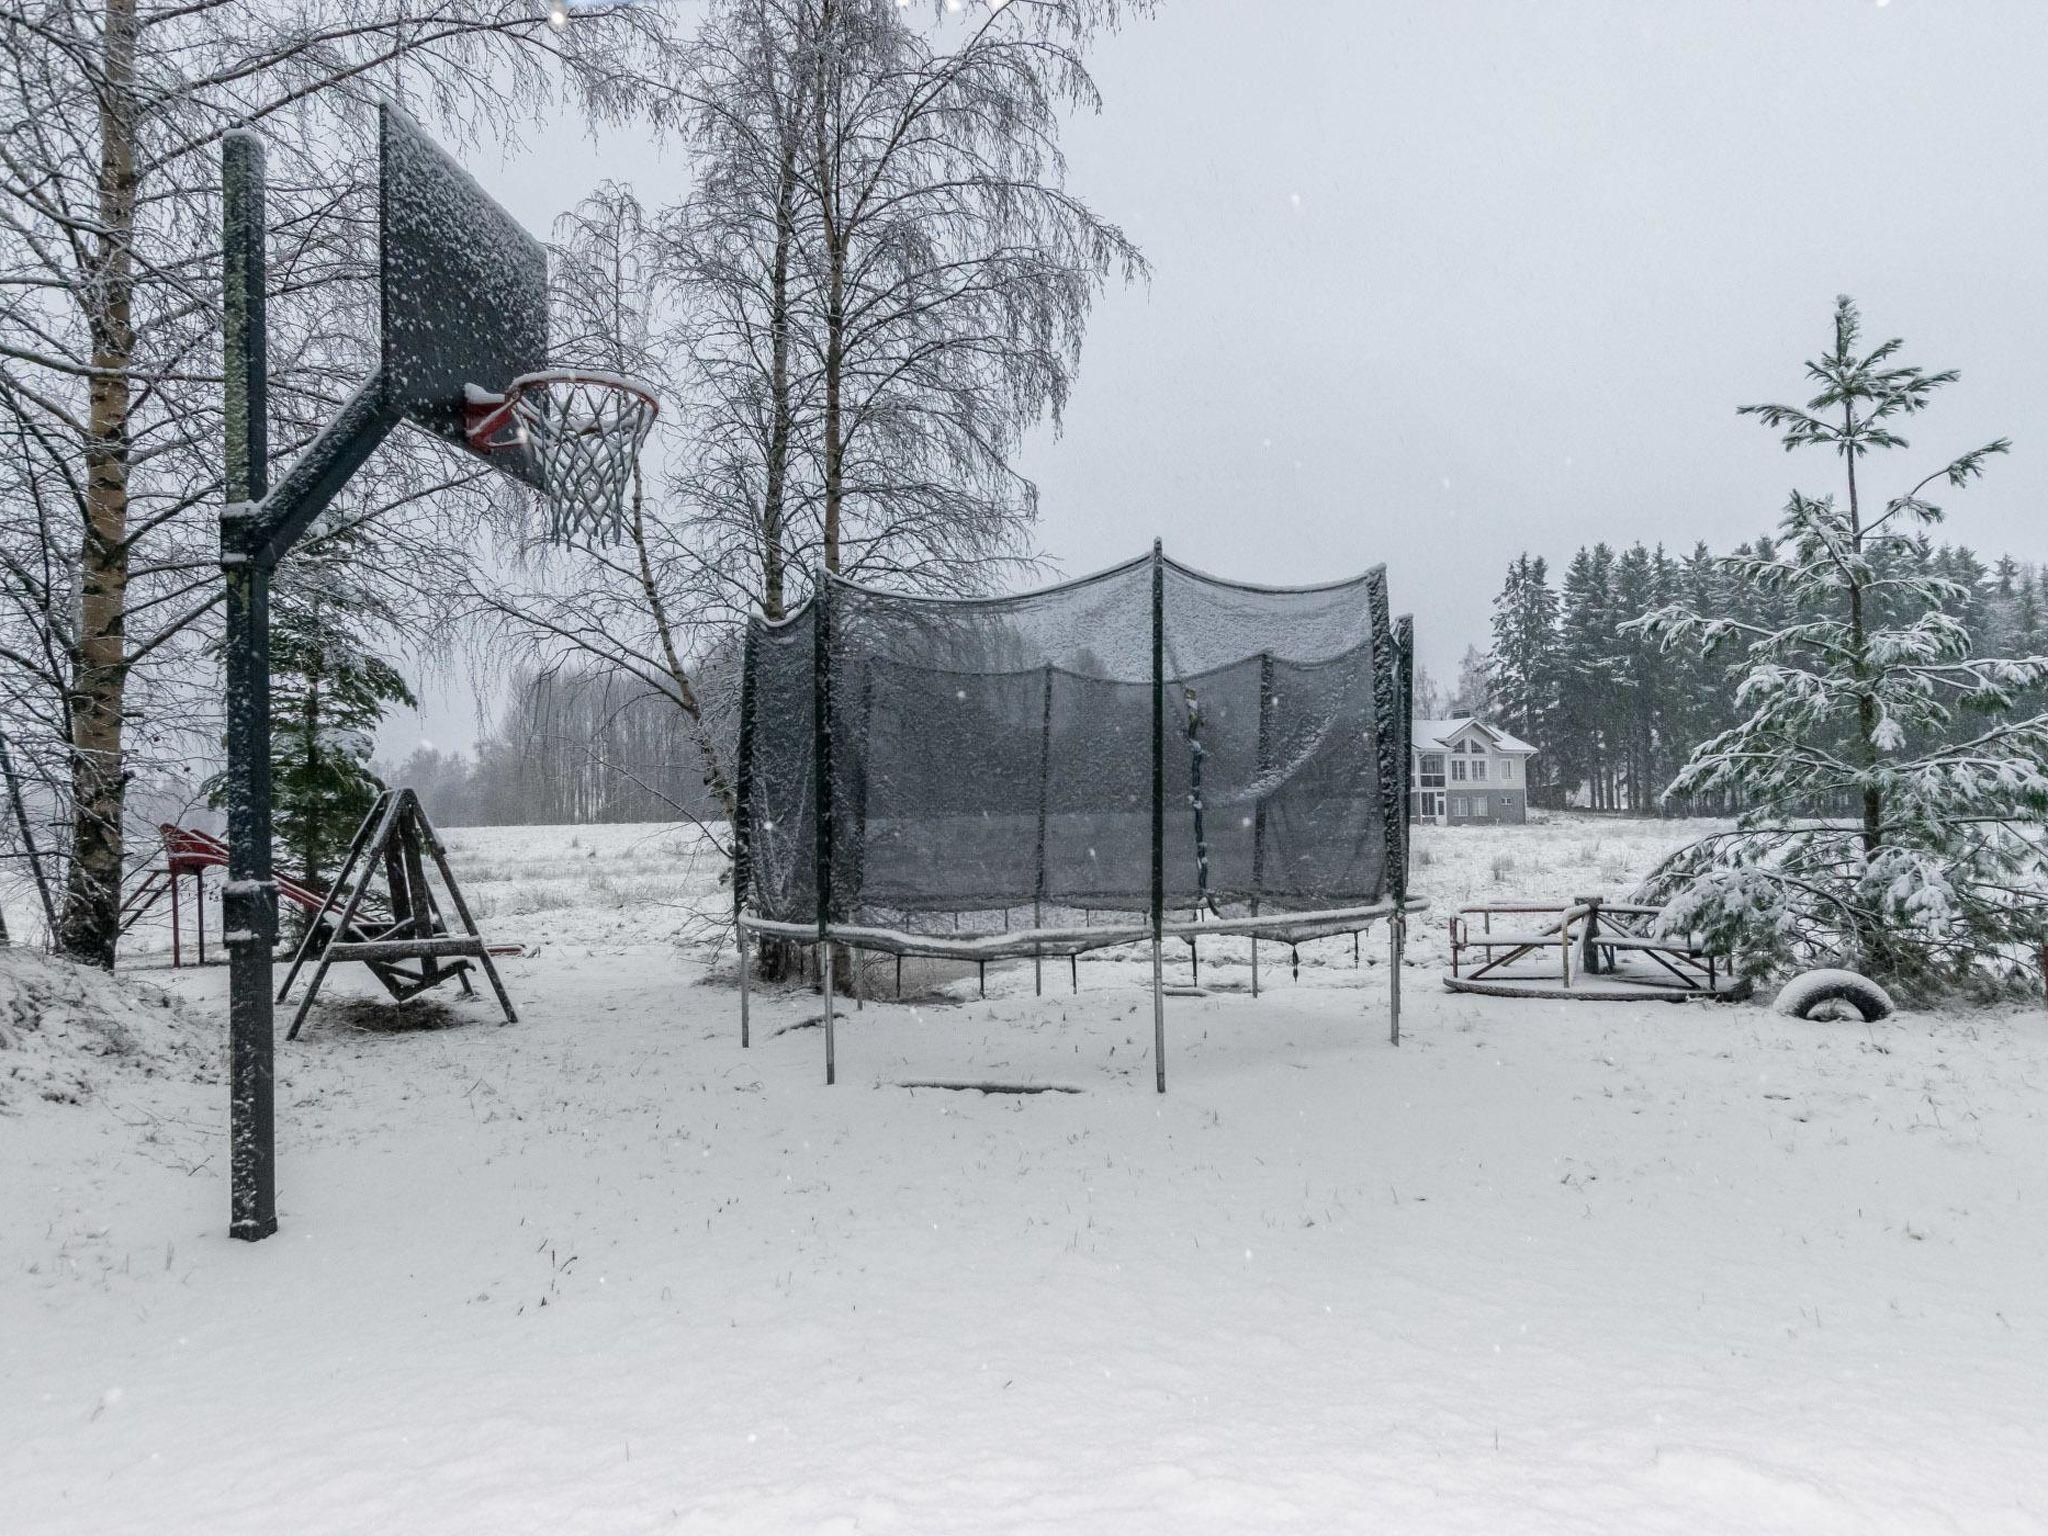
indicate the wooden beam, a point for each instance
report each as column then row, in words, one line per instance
column 407, row 949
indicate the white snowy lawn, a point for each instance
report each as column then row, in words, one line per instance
column 1546, row 1267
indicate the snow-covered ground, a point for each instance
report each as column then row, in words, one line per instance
column 1546, row 1267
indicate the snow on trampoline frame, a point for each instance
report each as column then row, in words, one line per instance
column 1392, row 646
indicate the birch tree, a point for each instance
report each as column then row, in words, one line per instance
column 733, row 252
column 950, row 274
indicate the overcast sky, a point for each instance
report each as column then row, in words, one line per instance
column 1436, row 283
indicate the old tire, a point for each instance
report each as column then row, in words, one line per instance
column 1804, row 996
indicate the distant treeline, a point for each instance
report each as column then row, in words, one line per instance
column 570, row 747
column 1615, row 717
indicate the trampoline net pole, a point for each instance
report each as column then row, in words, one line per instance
column 1404, row 731
column 821, row 818
column 739, row 936
column 1158, row 1018
column 831, row 1057
column 1044, row 791
column 742, row 828
column 1158, row 812
column 1265, row 767
column 1397, row 933
column 1386, row 698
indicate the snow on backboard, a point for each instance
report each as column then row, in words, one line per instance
column 464, row 288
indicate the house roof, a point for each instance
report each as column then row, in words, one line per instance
column 1437, row 735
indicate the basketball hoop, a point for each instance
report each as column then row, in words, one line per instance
column 580, row 433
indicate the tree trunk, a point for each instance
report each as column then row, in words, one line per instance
column 715, row 778
column 835, row 366
column 1874, row 946
column 773, row 514
column 92, row 896
column 832, row 430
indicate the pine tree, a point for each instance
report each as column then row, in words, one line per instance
column 1701, row 706
column 1477, row 691
column 1523, row 666
column 1641, row 584
column 1897, row 798
column 1588, row 690
column 329, row 690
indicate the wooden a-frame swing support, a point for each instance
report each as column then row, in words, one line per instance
column 408, row 947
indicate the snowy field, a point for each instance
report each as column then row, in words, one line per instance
column 1546, row 1267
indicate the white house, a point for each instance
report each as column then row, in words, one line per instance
column 1467, row 771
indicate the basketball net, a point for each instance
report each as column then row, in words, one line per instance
column 580, row 433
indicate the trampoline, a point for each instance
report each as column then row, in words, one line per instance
column 1141, row 754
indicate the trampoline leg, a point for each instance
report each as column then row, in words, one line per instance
column 1255, row 967
column 1074, row 970
column 1397, row 936
column 825, row 970
column 1297, row 962
column 740, row 938
column 899, row 978
column 1195, row 961
column 1354, row 951
column 981, row 977
column 860, row 1000
column 1158, row 1017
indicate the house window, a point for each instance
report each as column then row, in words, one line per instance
column 1458, row 769
column 1479, row 769
column 1432, row 771
column 1460, row 806
column 1432, row 806
column 1507, row 770
column 1482, row 806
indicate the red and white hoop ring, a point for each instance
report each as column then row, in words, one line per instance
column 580, row 431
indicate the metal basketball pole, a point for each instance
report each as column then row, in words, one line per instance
column 258, row 525
column 249, row 901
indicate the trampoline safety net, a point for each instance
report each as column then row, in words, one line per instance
column 1145, row 741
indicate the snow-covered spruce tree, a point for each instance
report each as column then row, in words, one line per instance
column 1589, row 688
column 1477, row 691
column 1897, row 801
column 1524, row 655
column 329, row 692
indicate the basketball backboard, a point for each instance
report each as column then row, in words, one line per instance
column 464, row 287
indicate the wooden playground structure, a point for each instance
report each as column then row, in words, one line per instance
column 189, row 854
column 403, row 923
column 1587, row 948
